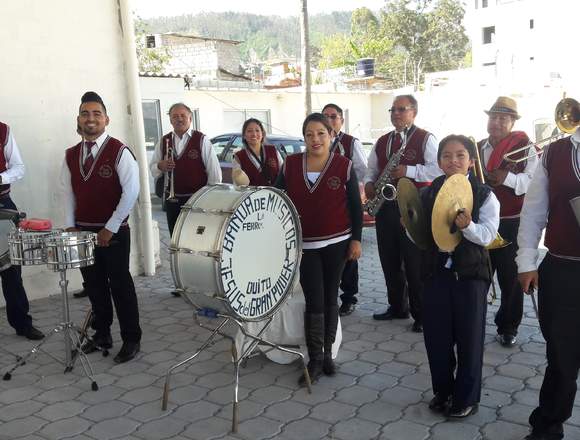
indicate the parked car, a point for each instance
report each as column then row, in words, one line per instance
column 226, row 145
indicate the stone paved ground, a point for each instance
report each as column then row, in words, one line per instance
column 381, row 391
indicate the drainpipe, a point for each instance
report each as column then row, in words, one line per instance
column 145, row 226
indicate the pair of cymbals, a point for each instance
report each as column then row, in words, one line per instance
column 455, row 194
column 412, row 213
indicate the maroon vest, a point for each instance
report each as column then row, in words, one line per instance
column 4, row 133
column 98, row 193
column 323, row 206
column 414, row 152
column 510, row 203
column 562, row 231
column 347, row 142
column 189, row 174
column 265, row 176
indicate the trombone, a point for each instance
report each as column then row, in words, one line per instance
column 567, row 118
column 168, row 184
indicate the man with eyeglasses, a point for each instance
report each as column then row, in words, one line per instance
column 400, row 258
column 350, row 147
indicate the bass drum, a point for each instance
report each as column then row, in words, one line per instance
column 237, row 250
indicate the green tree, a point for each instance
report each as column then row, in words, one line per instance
column 150, row 60
column 427, row 36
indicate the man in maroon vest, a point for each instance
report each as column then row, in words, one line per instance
column 100, row 180
column 400, row 258
column 189, row 157
column 17, row 307
column 510, row 182
column 350, row 147
column 553, row 202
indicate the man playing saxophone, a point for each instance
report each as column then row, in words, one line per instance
column 400, row 258
column 509, row 180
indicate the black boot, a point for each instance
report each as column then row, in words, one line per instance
column 330, row 326
column 313, row 331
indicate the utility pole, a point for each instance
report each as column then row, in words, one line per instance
column 305, row 41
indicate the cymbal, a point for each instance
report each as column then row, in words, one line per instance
column 412, row 213
column 455, row 194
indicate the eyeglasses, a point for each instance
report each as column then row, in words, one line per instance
column 333, row 117
column 400, row 109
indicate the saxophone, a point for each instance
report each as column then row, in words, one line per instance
column 384, row 188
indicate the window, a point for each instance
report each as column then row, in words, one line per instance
column 237, row 145
column 488, row 34
column 150, row 41
column 484, row 3
column 234, row 119
column 475, row 4
column 152, row 122
column 531, row 23
column 220, row 143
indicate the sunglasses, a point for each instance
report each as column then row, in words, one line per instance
column 399, row 109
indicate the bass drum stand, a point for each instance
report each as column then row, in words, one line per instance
column 237, row 358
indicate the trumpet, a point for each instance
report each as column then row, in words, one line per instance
column 567, row 118
column 168, row 184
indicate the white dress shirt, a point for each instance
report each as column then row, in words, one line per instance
column 128, row 172
column 210, row 160
column 518, row 182
column 534, row 216
column 420, row 172
column 359, row 160
column 14, row 165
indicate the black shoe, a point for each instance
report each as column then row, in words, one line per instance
column 81, row 294
column 346, row 309
column 439, row 403
column 390, row 314
column 461, row 413
column 97, row 343
column 538, row 436
column 417, row 327
column 31, row 333
column 328, row 366
column 128, row 351
column 314, row 371
column 176, row 293
column 506, row 340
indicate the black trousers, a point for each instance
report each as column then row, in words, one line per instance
column 454, row 319
column 172, row 210
column 320, row 271
column 559, row 313
column 503, row 261
column 17, row 306
column 401, row 262
column 349, row 282
column 109, row 282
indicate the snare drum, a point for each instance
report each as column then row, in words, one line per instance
column 27, row 248
column 237, row 250
column 70, row 250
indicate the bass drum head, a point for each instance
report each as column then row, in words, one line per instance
column 260, row 253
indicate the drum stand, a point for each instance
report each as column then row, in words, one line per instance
column 71, row 334
column 237, row 359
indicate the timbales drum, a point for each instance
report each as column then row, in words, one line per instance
column 70, row 250
column 27, row 248
column 237, row 250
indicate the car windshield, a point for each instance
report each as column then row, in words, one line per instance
column 219, row 143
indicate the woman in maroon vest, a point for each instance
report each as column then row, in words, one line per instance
column 261, row 163
column 324, row 188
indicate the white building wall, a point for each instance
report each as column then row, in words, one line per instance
column 53, row 53
column 367, row 111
